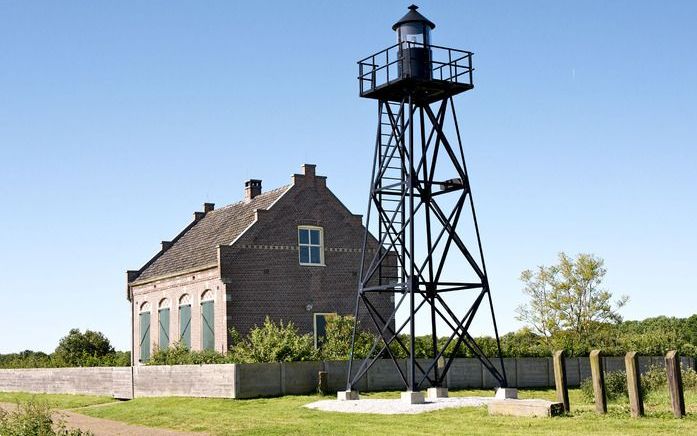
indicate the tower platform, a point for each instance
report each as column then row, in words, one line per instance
column 381, row 76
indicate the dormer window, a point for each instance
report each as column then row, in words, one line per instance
column 311, row 245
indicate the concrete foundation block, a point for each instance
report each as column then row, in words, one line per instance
column 506, row 394
column 347, row 395
column 538, row 408
column 413, row 397
column 433, row 393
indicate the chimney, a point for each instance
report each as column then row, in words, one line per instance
column 309, row 170
column 208, row 207
column 166, row 245
column 252, row 188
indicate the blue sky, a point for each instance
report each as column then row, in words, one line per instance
column 118, row 120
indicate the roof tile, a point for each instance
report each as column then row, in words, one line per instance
column 197, row 247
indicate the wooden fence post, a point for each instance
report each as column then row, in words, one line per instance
column 636, row 403
column 677, row 397
column 560, row 379
column 598, row 375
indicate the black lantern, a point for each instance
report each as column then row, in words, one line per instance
column 414, row 39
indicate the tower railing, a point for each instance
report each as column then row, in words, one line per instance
column 382, row 68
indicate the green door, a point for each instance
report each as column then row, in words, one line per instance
column 164, row 328
column 207, row 330
column 185, row 325
column 144, row 336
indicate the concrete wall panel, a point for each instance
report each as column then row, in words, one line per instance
column 532, row 372
column 258, row 380
column 300, row 377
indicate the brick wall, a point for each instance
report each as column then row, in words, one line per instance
column 172, row 289
column 262, row 269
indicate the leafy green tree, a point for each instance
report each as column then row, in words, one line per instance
column 567, row 300
column 82, row 349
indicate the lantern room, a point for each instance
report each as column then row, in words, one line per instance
column 414, row 28
column 414, row 66
column 414, row 39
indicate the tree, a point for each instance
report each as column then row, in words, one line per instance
column 83, row 349
column 567, row 300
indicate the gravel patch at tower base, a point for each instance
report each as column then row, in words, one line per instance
column 396, row 407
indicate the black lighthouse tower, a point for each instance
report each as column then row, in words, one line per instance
column 421, row 211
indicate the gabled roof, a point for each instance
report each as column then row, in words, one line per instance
column 196, row 246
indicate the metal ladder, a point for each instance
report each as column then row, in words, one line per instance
column 391, row 186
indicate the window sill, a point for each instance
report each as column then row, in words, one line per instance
column 312, row 264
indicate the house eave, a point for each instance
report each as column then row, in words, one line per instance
column 173, row 275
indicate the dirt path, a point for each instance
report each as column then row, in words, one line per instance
column 106, row 427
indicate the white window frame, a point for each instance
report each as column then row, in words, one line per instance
column 321, row 245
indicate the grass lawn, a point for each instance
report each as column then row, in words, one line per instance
column 58, row 401
column 286, row 415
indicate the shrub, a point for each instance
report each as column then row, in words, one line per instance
column 274, row 343
column 337, row 341
column 615, row 386
column 656, row 379
column 32, row 419
column 179, row 354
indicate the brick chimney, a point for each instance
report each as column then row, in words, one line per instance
column 208, row 207
column 252, row 188
column 309, row 170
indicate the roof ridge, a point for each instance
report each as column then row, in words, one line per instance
column 194, row 246
column 243, row 202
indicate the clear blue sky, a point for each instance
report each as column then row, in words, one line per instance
column 118, row 120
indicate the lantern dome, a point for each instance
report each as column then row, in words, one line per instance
column 413, row 17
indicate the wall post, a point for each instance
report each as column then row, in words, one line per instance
column 560, row 379
column 675, row 389
column 636, row 403
column 598, row 376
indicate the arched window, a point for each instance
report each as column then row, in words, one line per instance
column 163, row 321
column 185, row 320
column 144, row 318
column 207, row 320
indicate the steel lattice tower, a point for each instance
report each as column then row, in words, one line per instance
column 419, row 194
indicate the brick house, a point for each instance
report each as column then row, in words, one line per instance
column 291, row 253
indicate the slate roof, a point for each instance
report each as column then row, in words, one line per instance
column 197, row 245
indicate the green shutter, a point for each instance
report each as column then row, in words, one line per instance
column 144, row 336
column 164, row 328
column 185, row 325
column 207, row 330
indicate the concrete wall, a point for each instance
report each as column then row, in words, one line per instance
column 113, row 382
column 275, row 379
column 184, row 381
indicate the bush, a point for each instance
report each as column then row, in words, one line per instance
column 656, row 379
column 179, row 354
column 615, row 386
column 274, row 343
column 337, row 342
column 32, row 419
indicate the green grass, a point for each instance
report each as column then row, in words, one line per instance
column 287, row 416
column 58, row 401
